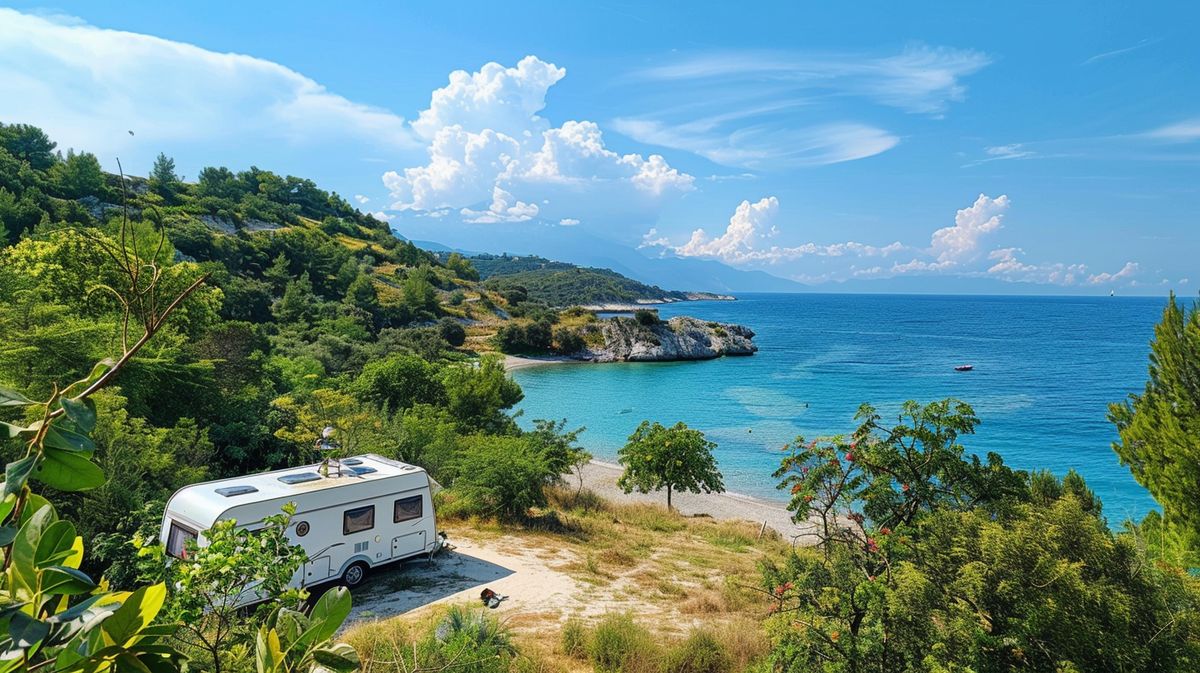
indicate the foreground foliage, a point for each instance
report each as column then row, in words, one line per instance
column 929, row 559
column 1160, row 435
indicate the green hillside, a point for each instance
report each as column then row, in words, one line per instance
column 563, row 284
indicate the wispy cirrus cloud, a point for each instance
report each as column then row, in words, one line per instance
column 793, row 108
column 1185, row 131
column 1168, row 142
column 1120, row 51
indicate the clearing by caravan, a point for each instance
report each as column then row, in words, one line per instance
column 376, row 511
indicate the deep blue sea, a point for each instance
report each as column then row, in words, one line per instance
column 1045, row 370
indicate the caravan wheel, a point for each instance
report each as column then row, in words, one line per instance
column 354, row 574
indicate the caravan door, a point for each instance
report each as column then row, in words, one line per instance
column 408, row 545
column 318, row 570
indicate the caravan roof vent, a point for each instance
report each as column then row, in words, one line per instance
column 230, row 491
column 363, row 470
column 299, row 477
column 351, row 461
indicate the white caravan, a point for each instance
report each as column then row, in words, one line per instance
column 377, row 511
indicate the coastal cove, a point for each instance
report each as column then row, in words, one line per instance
column 1045, row 369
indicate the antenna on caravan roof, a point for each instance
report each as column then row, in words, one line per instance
column 327, row 445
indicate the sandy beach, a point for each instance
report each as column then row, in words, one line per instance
column 601, row 477
column 513, row 362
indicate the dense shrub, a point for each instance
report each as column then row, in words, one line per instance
column 568, row 340
column 452, row 331
column 619, row 644
column 646, row 317
column 574, row 639
column 701, row 652
column 498, row 476
column 529, row 338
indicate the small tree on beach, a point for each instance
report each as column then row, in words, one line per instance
column 675, row 458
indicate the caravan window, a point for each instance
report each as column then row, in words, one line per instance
column 177, row 540
column 408, row 509
column 358, row 519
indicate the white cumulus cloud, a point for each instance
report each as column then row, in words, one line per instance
column 484, row 134
column 961, row 242
column 504, row 208
column 752, row 223
column 1129, row 270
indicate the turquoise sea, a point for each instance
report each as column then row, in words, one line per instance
column 1045, row 370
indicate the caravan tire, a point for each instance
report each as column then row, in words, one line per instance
column 355, row 574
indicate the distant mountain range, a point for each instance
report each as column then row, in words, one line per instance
column 577, row 246
column 569, row 244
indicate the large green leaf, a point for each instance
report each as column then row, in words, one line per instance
column 34, row 503
column 60, row 437
column 328, row 614
column 268, row 655
column 8, row 430
column 7, row 535
column 82, row 413
column 137, row 612
column 57, row 538
column 58, row 580
column 12, row 398
column 24, row 547
column 25, row 631
column 68, row 471
column 17, row 473
column 340, row 657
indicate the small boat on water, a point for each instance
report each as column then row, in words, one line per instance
column 964, row 368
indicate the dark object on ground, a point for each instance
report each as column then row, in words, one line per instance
column 491, row 598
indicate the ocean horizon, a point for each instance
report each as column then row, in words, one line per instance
column 1045, row 370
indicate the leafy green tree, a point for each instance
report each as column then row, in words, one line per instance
column 400, row 381
column 348, row 273
column 675, row 458
column 1160, row 431
column 362, row 294
column 478, row 396
column 279, row 274
column 299, row 303
column 568, row 340
column 559, row 448
column 419, row 294
column 163, row 179
column 461, row 266
column 357, row 426
column 219, row 183
column 78, row 175
column 29, row 144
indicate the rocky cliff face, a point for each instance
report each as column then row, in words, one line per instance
column 680, row 338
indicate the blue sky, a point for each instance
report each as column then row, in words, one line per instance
column 1054, row 144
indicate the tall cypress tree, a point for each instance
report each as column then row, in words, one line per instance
column 1160, row 428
